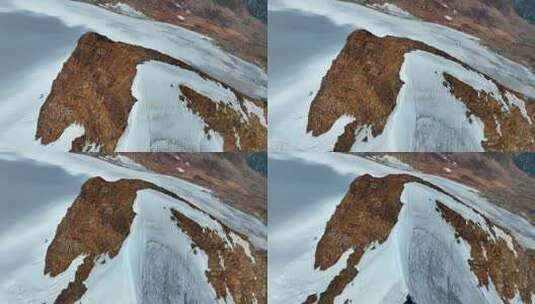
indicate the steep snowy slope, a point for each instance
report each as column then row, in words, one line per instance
column 378, row 231
column 412, row 97
column 116, row 230
column 503, row 25
column 142, row 100
column 439, row 89
column 26, row 91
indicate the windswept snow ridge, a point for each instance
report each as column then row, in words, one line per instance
column 158, row 124
column 161, row 258
column 430, row 127
column 63, row 22
column 427, row 116
column 445, row 239
column 159, row 121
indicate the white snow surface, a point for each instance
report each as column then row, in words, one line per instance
column 160, row 120
column 19, row 108
column 155, row 251
column 421, row 256
column 158, row 258
column 427, row 116
column 64, row 143
column 290, row 100
column 392, row 9
column 126, row 9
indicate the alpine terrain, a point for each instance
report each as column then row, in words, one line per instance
column 403, row 76
column 409, row 228
column 142, row 228
column 136, row 76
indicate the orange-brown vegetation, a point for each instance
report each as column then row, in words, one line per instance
column 511, row 270
column 231, row 269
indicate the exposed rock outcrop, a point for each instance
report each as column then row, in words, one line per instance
column 509, row 130
column 94, row 90
column 237, row 134
column 100, row 219
column 510, row 267
column 369, row 211
column 364, row 84
column 234, row 271
column 366, row 215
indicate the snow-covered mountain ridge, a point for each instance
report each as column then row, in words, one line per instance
column 367, row 216
column 379, row 90
column 395, row 233
column 59, row 25
column 441, row 90
column 119, row 230
column 202, row 114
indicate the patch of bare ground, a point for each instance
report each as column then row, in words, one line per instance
column 232, row 271
column 227, row 174
column 511, row 270
column 222, row 119
column 93, row 90
column 504, row 131
column 228, row 22
column 364, row 84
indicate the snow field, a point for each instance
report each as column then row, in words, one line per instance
column 193, row 48
column 159, row 121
